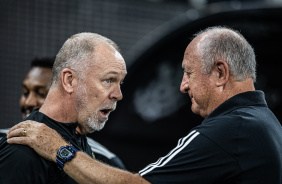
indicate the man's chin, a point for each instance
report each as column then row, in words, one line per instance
column 95, row 127
column 195, row 109
column 100, row 126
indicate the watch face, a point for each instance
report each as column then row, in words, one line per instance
column 65, row 153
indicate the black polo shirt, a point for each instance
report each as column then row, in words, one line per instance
column 101, row 153
column 239, row 142
column 21, row 164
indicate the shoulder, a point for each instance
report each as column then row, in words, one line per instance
column 13, row 156
column 17, row 152
column 194, row 158
column 21, row 163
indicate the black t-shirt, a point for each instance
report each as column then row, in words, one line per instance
column 239, row 142
column 21, row 164
column 101, row 153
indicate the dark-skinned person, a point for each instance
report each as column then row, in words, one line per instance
column 239, row 141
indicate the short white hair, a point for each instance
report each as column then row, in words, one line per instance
column 222, row 43
column 75, row 53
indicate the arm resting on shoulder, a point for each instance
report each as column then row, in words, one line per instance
column 82, row 168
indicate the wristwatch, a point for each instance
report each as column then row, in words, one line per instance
column 65, row 154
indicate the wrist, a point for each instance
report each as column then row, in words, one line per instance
column 56, row 148
column 64, row 155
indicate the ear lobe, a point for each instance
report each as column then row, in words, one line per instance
column 68, row 78
column 222, row 69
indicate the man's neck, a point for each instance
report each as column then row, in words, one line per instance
column 229, row 90
column 59, row 106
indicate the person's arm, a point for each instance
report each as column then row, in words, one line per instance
column 86, row 170
column 46, row 141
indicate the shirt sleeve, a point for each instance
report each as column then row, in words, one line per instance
column 195, row 159
column 20, row 164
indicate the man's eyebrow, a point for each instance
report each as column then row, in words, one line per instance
column 114, row 73
column 40, row 87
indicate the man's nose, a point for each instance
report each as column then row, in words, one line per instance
column 31, row 100
column 184, row 86
column 116, row 94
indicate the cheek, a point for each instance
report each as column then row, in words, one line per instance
column 97, row 94
column 92, row 95
column 195, row 85
column 200, row 89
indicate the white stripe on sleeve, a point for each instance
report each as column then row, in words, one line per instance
column 182, row 143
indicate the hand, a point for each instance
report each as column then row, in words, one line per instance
column 44, row 140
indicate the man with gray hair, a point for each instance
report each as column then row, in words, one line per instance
column 239, row 141
column 35, row 87
column 85, row 88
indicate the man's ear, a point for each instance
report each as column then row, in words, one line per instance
column 68, row 78
column 222, row 70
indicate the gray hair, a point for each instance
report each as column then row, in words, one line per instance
column 221, row 43
column 76, row 52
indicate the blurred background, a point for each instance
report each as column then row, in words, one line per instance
column 152, row 35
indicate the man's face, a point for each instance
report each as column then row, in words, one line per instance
column 98, row 94
column 34, row 89
column 194, row 82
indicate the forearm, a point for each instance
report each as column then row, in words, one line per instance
column 84, row 170
column 81, row 168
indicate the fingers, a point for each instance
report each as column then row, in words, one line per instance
column 24, row 124
column 19, row 140
column 18, row 136
column 17, row 133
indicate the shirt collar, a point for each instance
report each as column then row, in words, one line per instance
column 249, row 98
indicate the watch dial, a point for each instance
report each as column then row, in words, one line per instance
column 65, row 153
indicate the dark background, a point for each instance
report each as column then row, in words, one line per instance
column 152, row 35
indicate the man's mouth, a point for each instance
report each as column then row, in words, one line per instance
column 26, row 112
column 106, row 112
column 190, row 95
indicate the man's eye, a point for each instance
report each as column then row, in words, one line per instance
column 108, row 81
column 25, row 93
